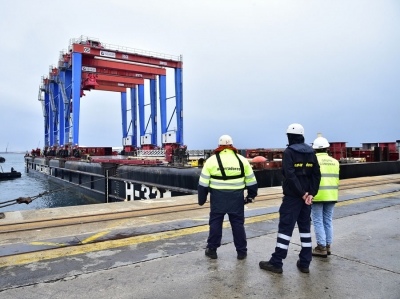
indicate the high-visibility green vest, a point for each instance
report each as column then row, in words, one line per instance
column 211, row 175
column 329, row 185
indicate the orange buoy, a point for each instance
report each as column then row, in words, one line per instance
column 259, row 159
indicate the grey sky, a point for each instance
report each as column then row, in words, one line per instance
column 250, row 68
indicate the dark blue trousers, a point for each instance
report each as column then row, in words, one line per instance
column 237, row 224
column 292, row 210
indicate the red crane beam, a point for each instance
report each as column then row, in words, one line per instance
column 115, row 72
column 116, row 79
column 140, row 69
column 87, row 50
column 110, row 88
column 108, row 83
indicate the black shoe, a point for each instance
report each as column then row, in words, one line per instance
column 328, row 249
column 304, row 270
column 211, row 253
column 241, row 256
column 267, row 266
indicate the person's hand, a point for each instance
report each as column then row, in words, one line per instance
column 309, row 200
column 248, row 200
column 305, row 196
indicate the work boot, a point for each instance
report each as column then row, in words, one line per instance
column 211, row 253
column 320, row 251
column 303, row 270
column 265, row 265
column 328, row 249
column 241, row 256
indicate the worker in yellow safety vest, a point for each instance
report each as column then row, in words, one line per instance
column 225, row 175
column 327, row 196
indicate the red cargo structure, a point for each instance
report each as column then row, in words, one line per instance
column 390, row 145
column 263, row 158
column 267, row 153
column 358, row 152
column 338, row 150
column 389, row 151
column 376, row 151
column 96, row 151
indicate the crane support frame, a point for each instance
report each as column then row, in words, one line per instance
column 89, row 65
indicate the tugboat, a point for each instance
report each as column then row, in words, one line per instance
column 9, row 175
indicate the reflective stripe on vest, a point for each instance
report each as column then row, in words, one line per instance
column 235, row 174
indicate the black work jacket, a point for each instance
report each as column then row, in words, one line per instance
column 301, row 171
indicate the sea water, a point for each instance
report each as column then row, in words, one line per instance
column 29, row 185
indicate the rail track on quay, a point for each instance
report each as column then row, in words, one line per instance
column 109, row 216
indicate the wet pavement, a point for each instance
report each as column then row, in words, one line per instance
column 168, row 261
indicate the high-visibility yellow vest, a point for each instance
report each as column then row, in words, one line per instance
column 329, row 185
column 238, row 175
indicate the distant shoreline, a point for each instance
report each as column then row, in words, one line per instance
column 12, row 153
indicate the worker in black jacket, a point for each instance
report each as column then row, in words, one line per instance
column 302, row 176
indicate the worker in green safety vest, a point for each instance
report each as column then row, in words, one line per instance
column 226, row 175
column 327, row 196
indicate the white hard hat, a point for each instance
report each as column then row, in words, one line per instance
column 225, row 140
column 295, row 129
column 320, row 142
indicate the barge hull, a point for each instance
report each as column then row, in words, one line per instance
column 111, row 182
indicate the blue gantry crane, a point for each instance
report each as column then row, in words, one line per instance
column 91, row 65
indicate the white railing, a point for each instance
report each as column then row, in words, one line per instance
column 62, row 53
column 51, row 67
column 195, row 153
column 151, row 153
column 61, row 59
column 40, row 95
column 82, row 39
column 41, row 86
column 40, row 98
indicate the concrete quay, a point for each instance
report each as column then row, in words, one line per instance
column 162, row 256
